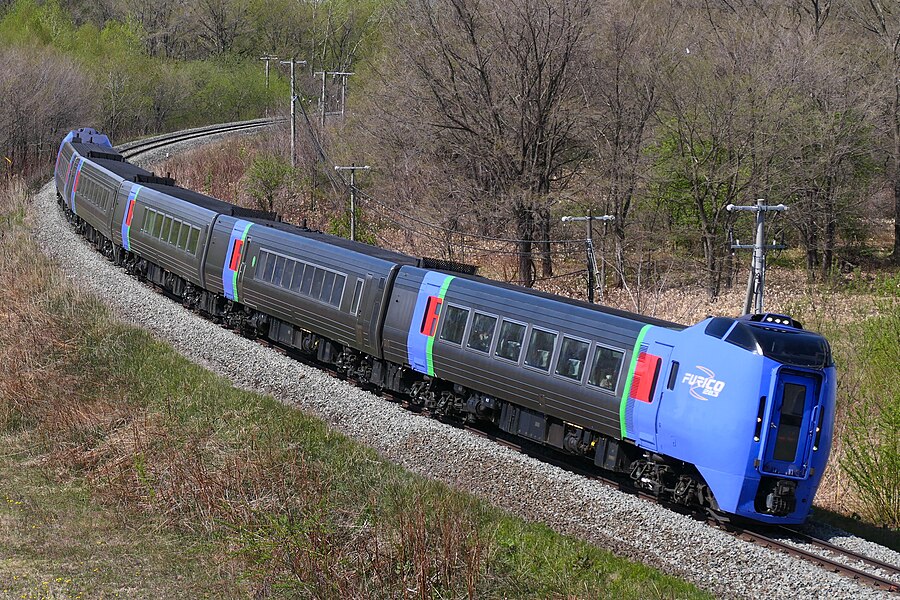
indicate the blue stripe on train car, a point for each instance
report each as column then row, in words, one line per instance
column 233, row 258
column 418, row 343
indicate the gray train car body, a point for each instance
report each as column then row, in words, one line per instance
column 308, row 281
column 163, row 228
column 88, row 179
column 557, row 357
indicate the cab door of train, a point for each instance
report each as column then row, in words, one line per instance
column 792, row 424
column 648, row 390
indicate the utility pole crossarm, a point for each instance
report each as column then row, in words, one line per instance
column 757, row 278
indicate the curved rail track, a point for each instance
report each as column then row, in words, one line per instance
column 863, row 569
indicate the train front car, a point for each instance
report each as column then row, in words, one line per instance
column 749, row 402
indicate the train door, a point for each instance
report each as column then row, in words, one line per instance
column 648, row 390
column 792, row 424
column 233, row 268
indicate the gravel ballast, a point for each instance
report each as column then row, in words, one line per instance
column 524, row 486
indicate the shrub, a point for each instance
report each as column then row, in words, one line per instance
column 872, row 435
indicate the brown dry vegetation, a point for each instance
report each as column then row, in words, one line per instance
column 129, row 471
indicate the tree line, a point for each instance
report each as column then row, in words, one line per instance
column 659, row 112
column 492, row 118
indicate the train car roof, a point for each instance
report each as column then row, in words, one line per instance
column 510, row 287
column 207, row 202
column 95, row 151
column 122, row 169
column 360, row 247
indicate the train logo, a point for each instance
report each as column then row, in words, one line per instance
column 704, row 387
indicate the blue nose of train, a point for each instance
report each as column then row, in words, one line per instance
column 750, row 404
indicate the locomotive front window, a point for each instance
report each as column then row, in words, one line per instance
column 509, row 344
column 572, row 356
column 605, row 368
column 482, row 332
column 793, row 400
column 454, row 324
column 540, row 349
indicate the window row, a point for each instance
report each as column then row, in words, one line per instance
column 305, row 279
column 539, row 351
column 167, row 228
column 94, row 193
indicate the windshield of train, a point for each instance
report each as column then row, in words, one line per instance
column 798, row 348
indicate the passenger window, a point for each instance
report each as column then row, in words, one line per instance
column 307, row 280
column 166, row 228
column 509, row 344
column 482, row 332
column 337, row 294
column 357, row 295
column 605, row 368
column 288, row 273
column 176, row 229
column 269, row 267
column 318, row 278
column 157, row 225
column 327, row 286
column 572, row 356
column 454, row 324
column 298, row 276
column 278, row 272
column 183, row 236
column 147, row 225
column 192, row 242
column 540, row 349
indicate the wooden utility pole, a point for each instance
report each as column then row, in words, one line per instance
column 353, row 169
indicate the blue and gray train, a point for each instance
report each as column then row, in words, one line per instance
column 735, row 415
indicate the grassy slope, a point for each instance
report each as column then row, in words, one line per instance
column 130, row 472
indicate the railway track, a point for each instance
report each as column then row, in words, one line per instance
column 868, row 571
column 863, row 569
column 139, row 147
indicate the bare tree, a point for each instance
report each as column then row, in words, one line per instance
column 880, row 20
column 622, row 98
column 41, row 95
column 220, row 23
column 493, row 85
